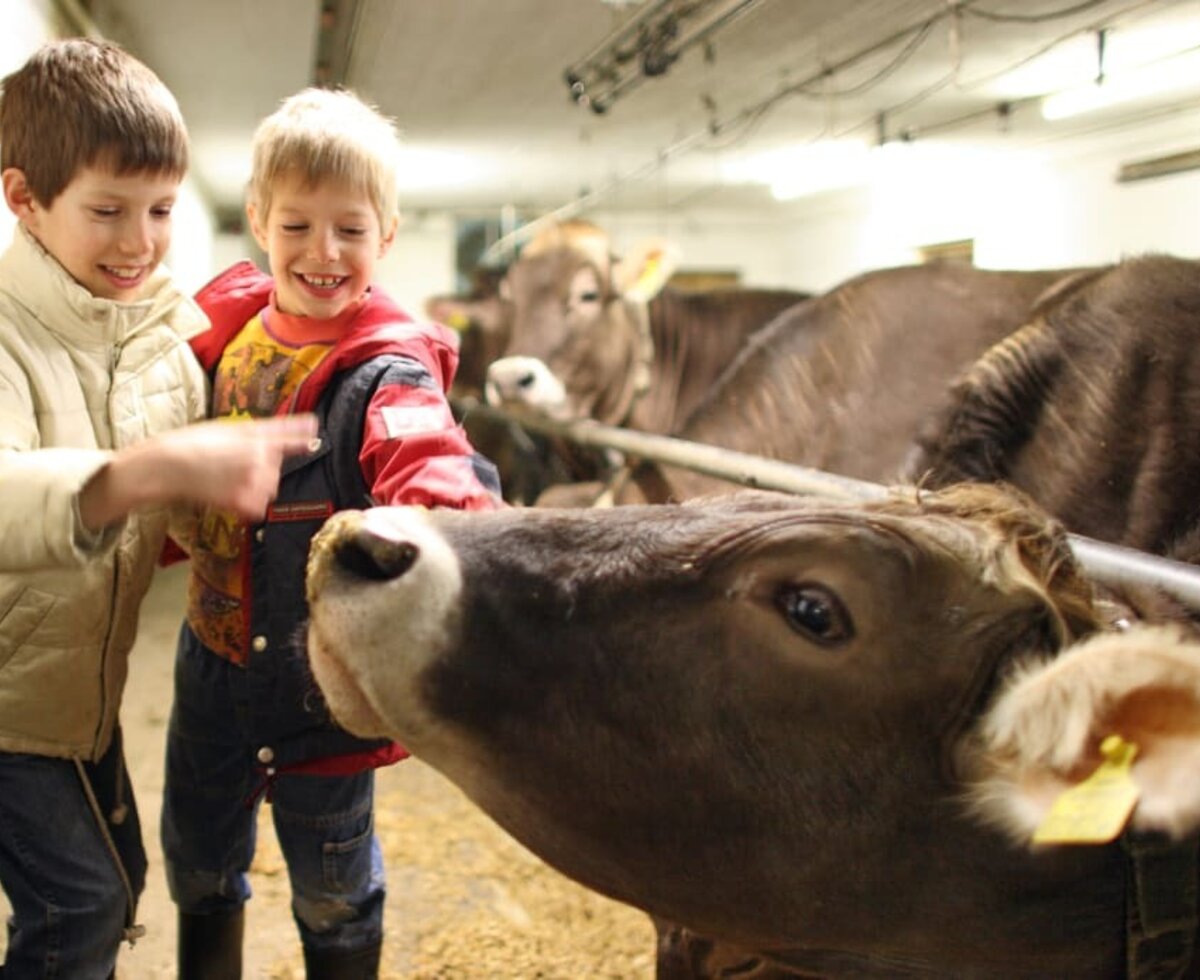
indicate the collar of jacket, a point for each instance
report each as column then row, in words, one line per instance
column 36, row 280
column 381, row 327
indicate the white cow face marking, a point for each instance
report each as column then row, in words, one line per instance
column 525, row 383
column 384, row 595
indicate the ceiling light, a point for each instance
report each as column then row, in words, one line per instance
column 426, row 169
column 810, row 168
column 1166, row 76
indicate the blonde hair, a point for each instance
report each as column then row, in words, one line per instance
column 324, row 135
column 83, row 102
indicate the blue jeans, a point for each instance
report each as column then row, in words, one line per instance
column 324, row 824
column 70, row 904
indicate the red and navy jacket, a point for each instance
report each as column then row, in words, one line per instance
column 386, row 436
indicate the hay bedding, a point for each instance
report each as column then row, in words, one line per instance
column 465, row 901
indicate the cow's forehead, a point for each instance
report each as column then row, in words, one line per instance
column 583, row 239
column 554, row 268
column 990, row 537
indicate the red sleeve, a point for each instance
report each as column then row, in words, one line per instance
column 413, row 452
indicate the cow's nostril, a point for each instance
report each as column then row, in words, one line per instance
column 526, row 381
column 376, row 559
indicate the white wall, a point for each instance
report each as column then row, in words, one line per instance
column 1046, row 209
column 421, row 261
column 750, row 242
column 1027, row 211
column 193, row 237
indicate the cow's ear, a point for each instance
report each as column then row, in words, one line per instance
column 1043, row 734
column 459, row 314
column 449, row 311
column 643, row 273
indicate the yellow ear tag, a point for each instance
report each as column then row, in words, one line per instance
column 651, row 279
column 1096, row 810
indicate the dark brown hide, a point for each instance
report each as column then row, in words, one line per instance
column 842, row 382
column 1093, row 409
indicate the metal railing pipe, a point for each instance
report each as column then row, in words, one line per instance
column 1111, row 565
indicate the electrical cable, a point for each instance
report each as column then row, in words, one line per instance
column 748, row 118
column 999, row 17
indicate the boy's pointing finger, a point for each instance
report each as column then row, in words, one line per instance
column 292, row 434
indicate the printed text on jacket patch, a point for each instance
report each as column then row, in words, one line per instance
column 406, row 420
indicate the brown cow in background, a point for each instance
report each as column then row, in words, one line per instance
column 843, row 381
column 592, row 336
column 1092, row 407
column 583, row 334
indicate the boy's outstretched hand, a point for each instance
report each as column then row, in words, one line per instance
column 231, row 465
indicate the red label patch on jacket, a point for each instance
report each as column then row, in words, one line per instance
column 407, row 420
column 300, row 510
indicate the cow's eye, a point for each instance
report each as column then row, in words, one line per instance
column 815, row 612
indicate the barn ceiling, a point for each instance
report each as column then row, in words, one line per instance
column 478, row 86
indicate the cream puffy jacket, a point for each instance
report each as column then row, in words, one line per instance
column 79, row 377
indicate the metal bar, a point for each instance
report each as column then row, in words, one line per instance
column 581, row 65
column 77, row 18
column 723, row 18
column 1117, row 566
column 1108, row 564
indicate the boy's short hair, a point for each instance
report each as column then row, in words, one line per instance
column 82, row 102
column 326, row 134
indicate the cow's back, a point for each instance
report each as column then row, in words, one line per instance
column 696, row 336
column 1093, row 409
column 842, row 381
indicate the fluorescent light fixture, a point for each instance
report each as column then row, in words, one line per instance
column 1171, row 74
column 428, row 169
column 810, row 168
column 1073, row 62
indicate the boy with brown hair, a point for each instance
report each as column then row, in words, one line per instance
column 97, row 384
column 248, row 722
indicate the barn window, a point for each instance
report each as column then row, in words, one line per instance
column 705, row 280
column 961, row 252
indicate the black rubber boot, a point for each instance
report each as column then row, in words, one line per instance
column 340, row 964
column 210, row 946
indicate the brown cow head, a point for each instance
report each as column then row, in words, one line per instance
column 744, row 714
column 579, row 342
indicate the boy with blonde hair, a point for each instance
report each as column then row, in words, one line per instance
column 96, row 386
column 248, row 723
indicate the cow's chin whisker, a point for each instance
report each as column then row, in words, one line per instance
column 347, row 703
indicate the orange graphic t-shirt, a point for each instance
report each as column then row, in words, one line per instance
column 260, row 369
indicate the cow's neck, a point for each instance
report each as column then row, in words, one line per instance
column 691, row 344
column 942, row 897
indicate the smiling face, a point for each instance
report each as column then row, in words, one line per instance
column 109, row 231
column 322, row 242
